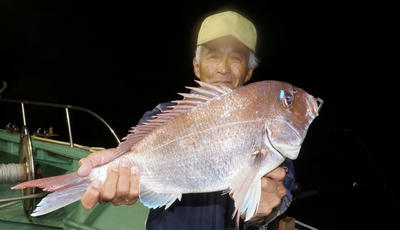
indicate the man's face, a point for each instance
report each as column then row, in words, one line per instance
column 223, row 61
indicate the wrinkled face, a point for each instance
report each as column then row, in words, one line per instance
column 287, row 123
column 223, row 61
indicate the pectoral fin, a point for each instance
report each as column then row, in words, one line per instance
column 245, row 189
column 252, row 200
column 153, row 199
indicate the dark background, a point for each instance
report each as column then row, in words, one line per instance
column 121, row 59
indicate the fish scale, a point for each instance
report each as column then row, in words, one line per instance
column 162, row 160
column 214, row 139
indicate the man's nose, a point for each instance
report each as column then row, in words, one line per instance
column 223, row 67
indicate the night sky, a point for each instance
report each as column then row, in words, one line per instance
column 122, row 59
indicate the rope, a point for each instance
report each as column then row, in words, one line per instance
column 11, row 173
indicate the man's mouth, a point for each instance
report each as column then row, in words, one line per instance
column 222, row 82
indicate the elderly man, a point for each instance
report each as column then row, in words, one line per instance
column 225, row 55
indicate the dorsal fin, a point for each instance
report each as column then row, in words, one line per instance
column 198, row 96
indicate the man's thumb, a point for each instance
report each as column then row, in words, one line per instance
column 85, row 167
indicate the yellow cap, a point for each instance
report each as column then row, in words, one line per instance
column 228, row 23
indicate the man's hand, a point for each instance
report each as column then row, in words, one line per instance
column 121, row 185
column 272, row 192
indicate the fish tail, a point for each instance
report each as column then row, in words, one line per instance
column 65, row 189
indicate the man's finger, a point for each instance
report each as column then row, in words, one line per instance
column 268, row 185
column 91, row 196
column 109, row 189
column 134, row 185
column 265, row 208
column 277, row 174
column 85, row 166
column 123, row 181
column 95, row 159
column 273, row 186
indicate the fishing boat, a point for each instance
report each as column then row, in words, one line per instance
column 25, row 156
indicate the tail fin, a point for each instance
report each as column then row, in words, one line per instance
column 66, row 190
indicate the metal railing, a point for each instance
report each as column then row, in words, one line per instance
column 66, row 108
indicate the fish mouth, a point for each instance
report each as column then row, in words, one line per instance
column 316, row 106
column 320, row 103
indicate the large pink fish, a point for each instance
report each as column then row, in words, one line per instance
column 215, row 139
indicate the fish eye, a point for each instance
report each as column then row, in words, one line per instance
column 285, row 98
column 288, row 100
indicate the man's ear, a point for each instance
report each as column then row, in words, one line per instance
column 196, row 68
column 248, row 75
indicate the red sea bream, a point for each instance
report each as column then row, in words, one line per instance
column 214, row 139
